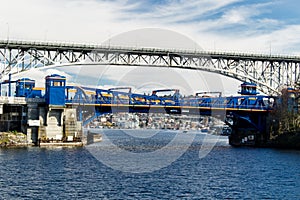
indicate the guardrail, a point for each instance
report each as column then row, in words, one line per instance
column 12, row 100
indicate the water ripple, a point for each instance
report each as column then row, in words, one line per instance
column 225, row 173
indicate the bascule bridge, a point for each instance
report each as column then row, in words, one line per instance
column 267, row 73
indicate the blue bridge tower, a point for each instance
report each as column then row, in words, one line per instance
column 25, row 87
column 55, row 90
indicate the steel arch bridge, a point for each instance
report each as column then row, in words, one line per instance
column 269, row 72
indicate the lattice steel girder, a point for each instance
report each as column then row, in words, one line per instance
column 269, row 72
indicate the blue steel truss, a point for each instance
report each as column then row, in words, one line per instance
column 99, row 97
column 251, row 109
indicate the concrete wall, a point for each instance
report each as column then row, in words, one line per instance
column 59, row 123
column 11, row 118
column 54, row 123
column 38, row 120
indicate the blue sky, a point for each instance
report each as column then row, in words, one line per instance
column 227, row 25
column 255, row 26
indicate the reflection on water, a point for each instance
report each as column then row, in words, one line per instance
column 226, row 172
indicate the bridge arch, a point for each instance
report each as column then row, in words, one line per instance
column 240, row 77
column 270, row 72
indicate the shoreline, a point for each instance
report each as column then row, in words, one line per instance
column 62, row 144
column 286, row 141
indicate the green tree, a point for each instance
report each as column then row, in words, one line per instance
column 286, row 113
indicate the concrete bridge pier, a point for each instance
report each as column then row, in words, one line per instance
column 59, row 124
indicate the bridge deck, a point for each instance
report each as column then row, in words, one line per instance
column 110, row 100
column 269, row 72
column 79, row 47
column 224, row 108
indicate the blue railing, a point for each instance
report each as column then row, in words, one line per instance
column 89, row 96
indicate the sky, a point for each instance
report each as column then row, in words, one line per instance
column 254, row 26
column 227, row 25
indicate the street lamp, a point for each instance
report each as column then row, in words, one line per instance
column 7, row 32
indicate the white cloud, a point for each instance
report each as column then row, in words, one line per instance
column 242, row 14
column 227, row 25
column 80, row 21
column 94, row 21
column 178, row 11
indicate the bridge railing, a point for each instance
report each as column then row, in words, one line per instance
column 109, row 97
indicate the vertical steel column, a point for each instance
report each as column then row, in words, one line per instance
column 9, row 85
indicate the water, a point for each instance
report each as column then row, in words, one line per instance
column 225, row 173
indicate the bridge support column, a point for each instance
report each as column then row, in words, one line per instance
column 32, row 122
column 60, row 124
column 250, row 131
